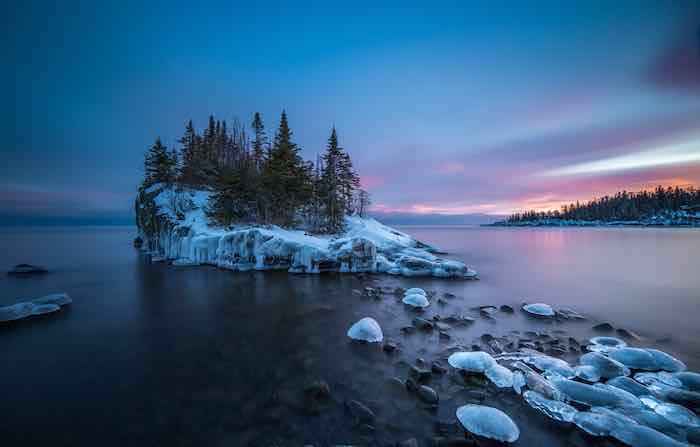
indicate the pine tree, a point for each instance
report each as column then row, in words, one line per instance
column 189, row 155
column 338, row 184
column 259, row 141
column 159, row 166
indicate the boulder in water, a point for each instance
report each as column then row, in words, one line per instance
column 416, row 300
column 27, row 269
column 415, row 290
column 607, row 367
column 367, row 329
column 16, row 311
column 475, row 362
column 605, row 344
column 488, row 422
column 554, row 409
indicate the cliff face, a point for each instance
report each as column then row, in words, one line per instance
column 173, row 226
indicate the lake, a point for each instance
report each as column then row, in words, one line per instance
column 151, row 354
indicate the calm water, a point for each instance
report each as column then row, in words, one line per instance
column 150, row 354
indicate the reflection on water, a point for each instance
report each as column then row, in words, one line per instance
column 159, row 355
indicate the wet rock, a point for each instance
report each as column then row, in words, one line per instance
column 408, row 329
column 624, row 333
column 389, row 346
column 443, row 326
column 507, row 309
column 411, row 384
column 359, row 411
column 27, row 269
column 318, row 390
column 422, row 324
column 444, row 335
column 138, row 242
column 437, row 368
column 441, row 302
column 395, row 383
column 488, row 422
column 427, row 395
column 419, row 374
column 603, row 327
column 420, row 361
column 449, row 295
column 412, row 442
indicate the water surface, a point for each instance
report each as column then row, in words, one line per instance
column 150, row 354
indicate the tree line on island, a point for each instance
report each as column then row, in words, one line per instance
column 623, row 206
column 254, row 180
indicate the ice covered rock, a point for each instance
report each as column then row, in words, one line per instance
column 597, row 395
column 538, row 383
column 551, row 365
column 674, row 413
column 519, row 382
column 569, row 314
column 41, row 309
column 630, row 385
column 488, row 422
column 475, row 362
column 689, row 380
column 634, row 358
column 587, row 373
column 416, row 300
column 367, row 329
column 606, row 422
column 499, row 375
column 666, row 361
column 16, row 311
column 60, row 299
column 600, row 423
column 607, row 367
column 27, row 269
column 641, row 436
column 554, row 409
column 414, row 290
column 605, row 344
column 539, row 309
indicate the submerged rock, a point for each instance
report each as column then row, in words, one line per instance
column 367, row 329
column 41, row 309
column 416, row 300
column 16, row 311
column 60, row 299
column 603, row 327
column 359, row 411
column 27, row 269
column 539, row 309
column 488, row 422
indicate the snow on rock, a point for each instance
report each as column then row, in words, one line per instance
column 499, row 375
column 367, row 329
column 174, row 225
column 605, row 344
column 475, row 362
column 416, row 300
column 488, row 422
column 539, row 309
column 607, row 367
column 39, row 306
column 415, row 290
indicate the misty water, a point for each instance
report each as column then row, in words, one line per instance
column 152, row 354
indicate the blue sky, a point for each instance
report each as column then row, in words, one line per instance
column 446, row 107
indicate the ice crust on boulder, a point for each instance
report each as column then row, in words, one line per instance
column 554, row 409
column 605, row 344
column 551, row 365
column 41, row 309
column 414, row 290
column 539, row 309
column 475, row 362
column 598, row 395
column 416, row 300
column 38, row 306
column 634, row 358
column 499, row 375
column 488, row 422
column 630, row 385
column 666, row 361
column 607, row 367
column 185, row 237
column 689, row 380
column 16, row 311
column 60, row 299
column 367, row 329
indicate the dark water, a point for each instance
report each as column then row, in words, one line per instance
column 150, row 354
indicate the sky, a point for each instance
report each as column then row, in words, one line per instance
column 447, row 108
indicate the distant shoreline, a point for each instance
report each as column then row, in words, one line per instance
column 591, row 224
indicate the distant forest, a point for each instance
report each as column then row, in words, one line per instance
column 623, row 206
column 254, row 180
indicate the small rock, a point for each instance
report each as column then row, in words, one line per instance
column 408, row 443
column 423, row 324
column 318, row 390
column 437, row 368
column 507, row 309
column 138, row 242
column 449, row 295
column 603, row 327
column 441, row 302
column 419, row 374
column 411, row 384
column 444, row 335
column 389, row 346
column 427, row 395
column 27, row 269
column 486, row 338
column 408, row 329
column 624, row 333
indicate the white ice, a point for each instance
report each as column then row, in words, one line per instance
column 499, row 375
column 635, row 358
column 605, row 344
column 416, row 300
column 367, row 329
column 414, row 290
column 555, row 409
column 539, row 309
column 488, row 422
column 607, row 367
column 476, row 362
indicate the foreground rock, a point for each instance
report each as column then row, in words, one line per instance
column 27, row 269
column 39, row 306
column 488, row 422
column 367, row 329
column 173, row 225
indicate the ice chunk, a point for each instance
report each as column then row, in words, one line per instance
column 488, row 422
column 600, row 423
column 607, row 367
column 60, row 299
column 538, row 383
column 587, row 373
column 414, row 290
column 674, row 413
column 367, row 329
column 476, row 362
column 555, row 409
column 518, row 382
column 640, row 436
column 416, row 300
column 629, row 385
column 501, row 376
column 539, row 309
column 594, row 395
column 666, row 362
column 41, row 309
column 16, row 311
column 635, row 358
column 605, row 344
column 689, row 380
column 552, row 365
column 664, row 378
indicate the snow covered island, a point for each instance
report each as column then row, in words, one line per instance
column 173, row 225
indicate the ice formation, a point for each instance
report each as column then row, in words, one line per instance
column 551, row 365
column 555, row 409
column 475, row 362
column 598, row 395
column 630, row 385
column 539, row 309
column 666, row 362
column 416, row 300
column 39, row 306
column 689, row 380
column 488, row 422
column 367, row 329
column 635, row 358
column 499, row 375
column 607, row 367
column 174, row 226
column 415, row 290
column 605, row 344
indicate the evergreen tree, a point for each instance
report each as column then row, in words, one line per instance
column 159, row 165
column 259, row 141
